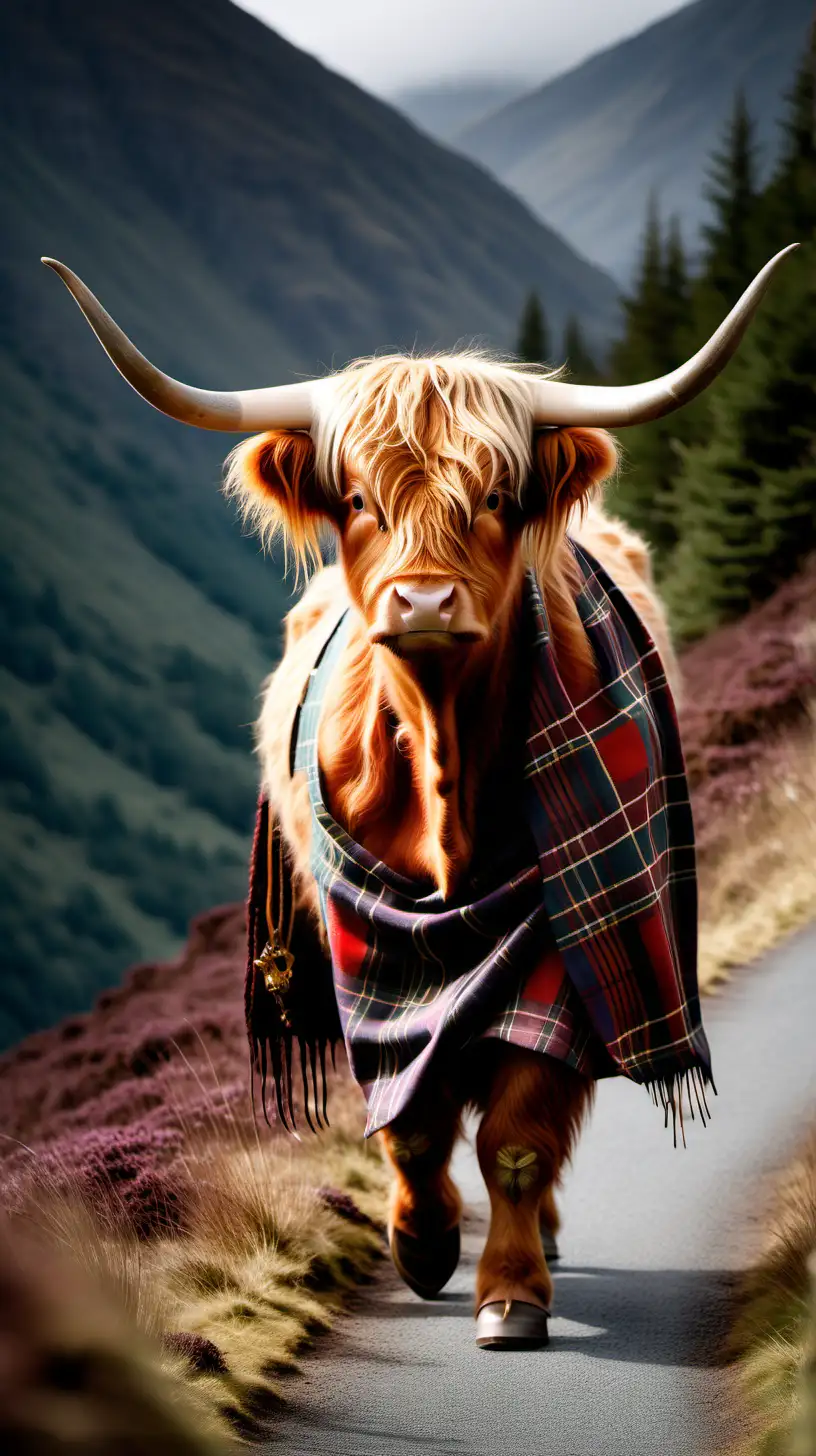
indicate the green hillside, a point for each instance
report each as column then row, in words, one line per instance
column 246, row 215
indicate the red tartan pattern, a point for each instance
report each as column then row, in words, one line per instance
column 580, row 941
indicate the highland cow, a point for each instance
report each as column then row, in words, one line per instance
column 472, row 784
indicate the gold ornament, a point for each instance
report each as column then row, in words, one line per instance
column 516, row 1171
column 276, row 963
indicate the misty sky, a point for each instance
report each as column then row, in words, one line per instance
column 386, row 44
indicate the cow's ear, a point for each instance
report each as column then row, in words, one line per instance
column 566, row 465
column 274, row 480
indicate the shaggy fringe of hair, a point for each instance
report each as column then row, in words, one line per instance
column 476, row 409
column 465, row 409
column 466, row 419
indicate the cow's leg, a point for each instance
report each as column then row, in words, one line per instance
column 549, row 1222
column 423, row 1227
column 533, row 1109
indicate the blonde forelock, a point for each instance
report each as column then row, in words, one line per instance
column 458, row 420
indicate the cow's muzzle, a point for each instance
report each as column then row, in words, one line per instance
column 426, row 614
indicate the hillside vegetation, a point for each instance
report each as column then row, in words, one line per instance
column 774, row 1342
column 726, row 488
column 130, row 1141
column 247, row 216
column 586, row 149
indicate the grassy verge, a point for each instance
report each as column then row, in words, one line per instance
column 775, row 1337
column 274, row 1239
column 758, row 867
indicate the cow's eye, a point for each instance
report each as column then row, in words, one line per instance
column 358, row 501
column 493, row 500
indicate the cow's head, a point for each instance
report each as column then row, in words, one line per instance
column 433, row 476
column 431, row 470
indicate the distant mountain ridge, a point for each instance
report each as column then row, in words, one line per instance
column 247, row 216
column 585, row 149
column 445, row 108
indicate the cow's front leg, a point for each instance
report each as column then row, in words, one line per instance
column 423, row 1227
column 533, row 1109
column 549, row 1222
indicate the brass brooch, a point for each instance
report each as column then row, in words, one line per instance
column 276, row 960
column 276, row 963
column 516, row 1171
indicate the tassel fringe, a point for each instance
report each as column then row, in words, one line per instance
column 677, row 1095
column 294, row 1028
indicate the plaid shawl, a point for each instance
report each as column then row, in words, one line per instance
column 578, row 941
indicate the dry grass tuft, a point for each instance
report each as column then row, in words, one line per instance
column 77, row 1378
column 273, row 1245
column 758, row 867
column 775, row 1336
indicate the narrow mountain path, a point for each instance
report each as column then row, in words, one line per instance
column 652, row 1240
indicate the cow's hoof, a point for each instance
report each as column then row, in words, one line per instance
column 512, row 1324
column 549, row 1243
column 428, row 1263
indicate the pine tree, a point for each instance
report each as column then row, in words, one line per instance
column 582, row 366
column 676, row 295
column 747, row 492
column 730, row 237
column 781, row 424
column 787, row 213
column 654, row 341
column 640, row 350
column 533, row 345
column 717, row 566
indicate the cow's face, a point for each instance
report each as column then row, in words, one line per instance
column 430, row 474
column 431, row 549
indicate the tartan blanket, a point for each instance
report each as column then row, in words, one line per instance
column 576, row 939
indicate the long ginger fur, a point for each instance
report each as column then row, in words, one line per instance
column 432, row 437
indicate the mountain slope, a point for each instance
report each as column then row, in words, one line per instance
column 245, row 214
column 445, row 108
column 585, row 150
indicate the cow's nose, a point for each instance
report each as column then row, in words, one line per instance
column 428, row 607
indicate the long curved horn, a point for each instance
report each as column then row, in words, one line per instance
column 555, row 403
column 282, row 406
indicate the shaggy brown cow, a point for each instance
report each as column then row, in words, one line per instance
column 461, row 491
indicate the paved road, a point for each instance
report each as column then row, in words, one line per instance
column 652, row 1240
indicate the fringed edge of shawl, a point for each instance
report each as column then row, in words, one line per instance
column 689, row 1087
column 278, row 1049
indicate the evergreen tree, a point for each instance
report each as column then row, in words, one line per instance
column 787, row 212
column 640, row 351
column 533, row 345
column 582, row 366
column 730, row 237
column 747, row 491
column 716, row 568
column 780, row 427
column 676, row 295
column 654, row 341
